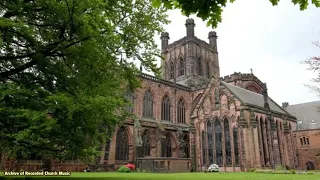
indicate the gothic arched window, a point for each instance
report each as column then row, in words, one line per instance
column 200, row 70
column 204, row 154
column 181, row 112
column 182, row 69
column 171, row 70
column 218, row 134
column 147, row 105
column 145, row 144
column 122, row 145
column 130, row 99
column 165, row 108
column 227, row 142
column 107, row 150
column 236, row 146
column 210, row 142
column 166, row 150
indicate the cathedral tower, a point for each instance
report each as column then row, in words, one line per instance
column 190, row 61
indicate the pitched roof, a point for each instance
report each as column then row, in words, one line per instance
column 306, row 112
column 252, row 98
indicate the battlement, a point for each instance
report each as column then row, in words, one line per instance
column 241, row 76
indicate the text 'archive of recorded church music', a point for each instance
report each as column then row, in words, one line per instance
column 37, row 173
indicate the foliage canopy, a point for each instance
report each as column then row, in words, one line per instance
column 70, row 59
column 211, row 10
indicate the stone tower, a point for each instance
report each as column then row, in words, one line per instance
column 189, row 60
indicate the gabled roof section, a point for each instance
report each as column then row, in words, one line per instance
column 308, row 113
column 252, row 98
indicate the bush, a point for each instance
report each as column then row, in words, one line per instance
column 252, row 170
column 280, row 167
column 124, row 169
column 131, row 166
column 292, row 171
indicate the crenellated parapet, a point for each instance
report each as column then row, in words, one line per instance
column 246, row 80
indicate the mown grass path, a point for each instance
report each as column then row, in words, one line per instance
column 177, row 176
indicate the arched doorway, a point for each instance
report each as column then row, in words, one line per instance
column 310, row 166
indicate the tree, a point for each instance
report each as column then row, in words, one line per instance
column 211, row 9
column 314, row 65
column 64, row 68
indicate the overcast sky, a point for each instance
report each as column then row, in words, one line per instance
column 270, row 40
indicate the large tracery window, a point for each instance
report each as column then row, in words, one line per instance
column 182, row 69
column 147, row 105
column 145, row 144
column 236, row 146
column 122, row 145
column 181, row 112
column 227, row 142
column 165, row 108
column 130, row 99
column 204, row 154
column 166, row 150
column 218, row 134
column 171, row 70
column 200, row 70
column 210, row 142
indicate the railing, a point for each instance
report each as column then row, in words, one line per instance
column 24, row 161
column 163, row 164
column 101, row 167
column 162, row 81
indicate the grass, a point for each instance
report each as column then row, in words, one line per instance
column 177, row 176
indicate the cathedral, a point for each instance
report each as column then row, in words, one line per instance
column 192, row 118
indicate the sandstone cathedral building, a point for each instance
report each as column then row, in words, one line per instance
column 192, row 118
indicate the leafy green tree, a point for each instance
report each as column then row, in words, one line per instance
column 211, row 10
column 64, row 68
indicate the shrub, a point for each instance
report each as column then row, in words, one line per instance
column 280, row 167
column 131, row 166
column 123, row 169
column 252, row 170
column 292, row 171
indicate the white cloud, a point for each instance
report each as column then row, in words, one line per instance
column 272, row 40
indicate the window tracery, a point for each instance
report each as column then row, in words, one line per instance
column 147, row 105
column 218, row 142
column 122, row 145
column 181, row 112
column 227, row 142
column 210, row 142
column 236, row 146
column 165, row 109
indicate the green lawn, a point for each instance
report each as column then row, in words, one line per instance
column 178, row 176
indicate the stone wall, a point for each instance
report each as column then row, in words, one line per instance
column 309, row 152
